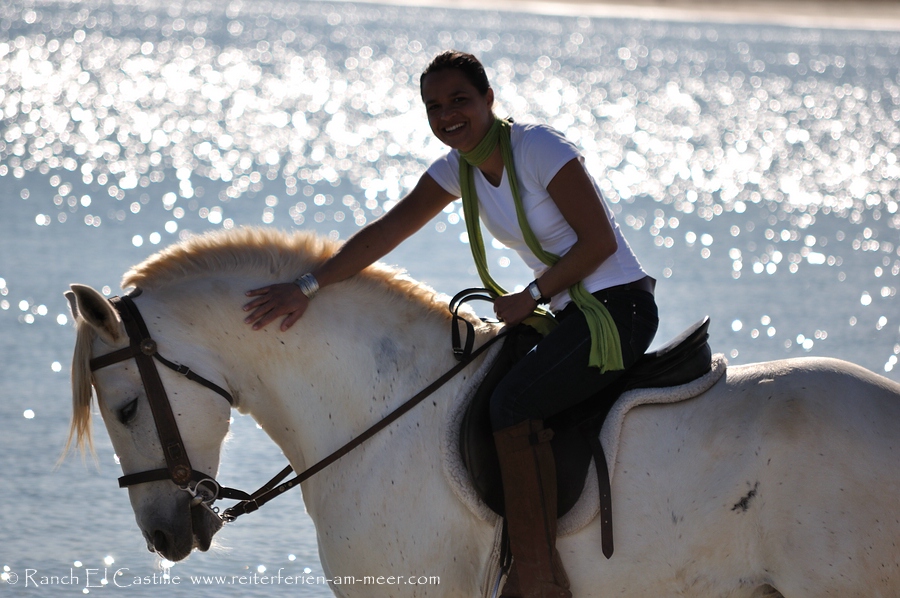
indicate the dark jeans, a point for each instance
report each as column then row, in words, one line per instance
column 555, row 374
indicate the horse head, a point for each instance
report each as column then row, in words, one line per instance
column 174, row 518
column 348, row 363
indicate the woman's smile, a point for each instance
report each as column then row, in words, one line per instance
column 451, row 132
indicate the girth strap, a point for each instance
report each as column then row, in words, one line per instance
column 606, row 529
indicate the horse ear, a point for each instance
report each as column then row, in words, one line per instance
column 90, row 306
column 73, row 304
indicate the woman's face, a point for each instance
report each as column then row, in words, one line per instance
column 457, row 112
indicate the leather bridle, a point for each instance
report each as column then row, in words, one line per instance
column 142, row 348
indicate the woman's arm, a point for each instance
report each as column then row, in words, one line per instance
column 371, row 243
column 574, row 194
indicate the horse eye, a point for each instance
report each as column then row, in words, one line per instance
column 126, row 413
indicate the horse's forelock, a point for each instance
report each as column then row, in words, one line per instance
column 80, row 428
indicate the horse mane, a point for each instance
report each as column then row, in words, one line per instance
column 248, row 250
column 276, row 254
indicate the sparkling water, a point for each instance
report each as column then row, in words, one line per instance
column 754, row 169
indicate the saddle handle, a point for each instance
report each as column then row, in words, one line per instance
column 460, row 351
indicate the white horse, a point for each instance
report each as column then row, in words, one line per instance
column 782, row 479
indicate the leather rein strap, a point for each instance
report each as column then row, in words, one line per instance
column 270, row 490
column 142, row 348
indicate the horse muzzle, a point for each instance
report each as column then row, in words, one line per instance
column 187, row 528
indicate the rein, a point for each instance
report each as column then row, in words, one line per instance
column 143, row 349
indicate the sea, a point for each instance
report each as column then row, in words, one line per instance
column 753, row 168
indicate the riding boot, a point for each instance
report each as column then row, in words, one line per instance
column 529, row 487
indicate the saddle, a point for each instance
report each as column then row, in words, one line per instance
column 575, row 431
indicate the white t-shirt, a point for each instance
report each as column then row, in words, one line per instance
column 539, row 152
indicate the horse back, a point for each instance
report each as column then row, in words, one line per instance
column 783, row 475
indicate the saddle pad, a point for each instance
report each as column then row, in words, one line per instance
column 587, row 507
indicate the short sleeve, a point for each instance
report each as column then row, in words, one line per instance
column 544, row 151
column 445, row 172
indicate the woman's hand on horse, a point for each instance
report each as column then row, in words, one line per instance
column 274, row 301
column 514, row 308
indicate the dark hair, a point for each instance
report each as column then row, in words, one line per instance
column 467, row 64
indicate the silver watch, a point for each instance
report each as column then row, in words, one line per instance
column 535, row 292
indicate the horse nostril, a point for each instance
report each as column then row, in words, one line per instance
column 160, row 543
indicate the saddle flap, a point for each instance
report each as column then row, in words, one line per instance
column 476, row 441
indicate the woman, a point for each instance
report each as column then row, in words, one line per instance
column 535, row 196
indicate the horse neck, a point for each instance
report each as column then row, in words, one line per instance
column 357, row 353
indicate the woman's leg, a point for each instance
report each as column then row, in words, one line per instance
column 552, row 377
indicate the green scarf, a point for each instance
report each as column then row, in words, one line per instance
column 606, row 351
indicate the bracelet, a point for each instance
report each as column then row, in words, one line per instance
column 308, row 284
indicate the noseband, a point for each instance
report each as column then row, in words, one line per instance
column 142, row 348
